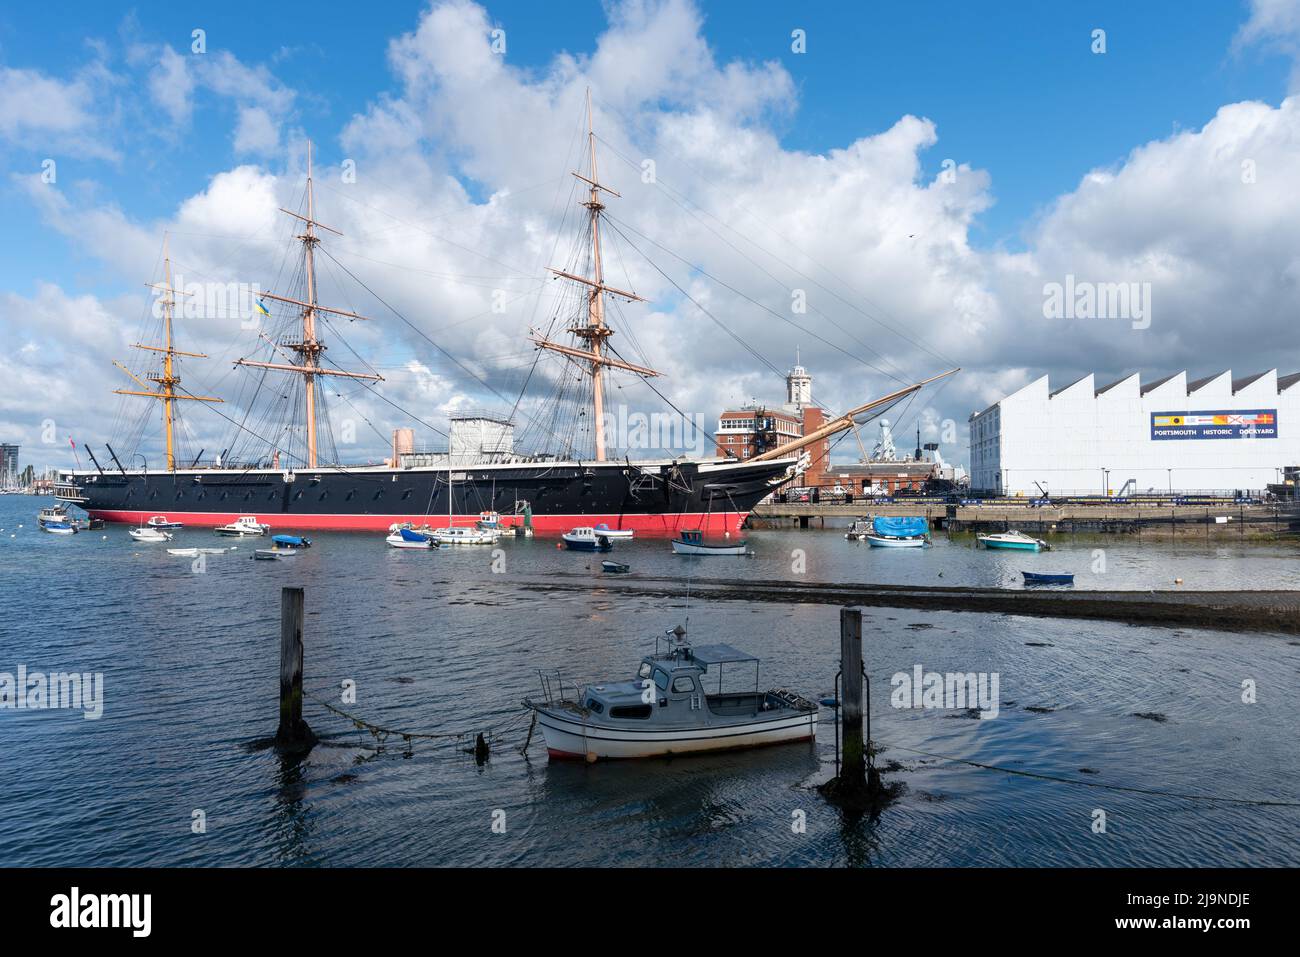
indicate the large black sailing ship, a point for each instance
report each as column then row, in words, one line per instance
column 480, row 472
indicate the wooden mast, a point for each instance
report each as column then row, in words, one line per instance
column 595, row 332
column 310, row 348
column 169, row 379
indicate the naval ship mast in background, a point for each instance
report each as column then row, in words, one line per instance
column 478, row 473
column 310, row 347
column 595, row 332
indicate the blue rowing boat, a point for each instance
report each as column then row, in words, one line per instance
column 1035, row 578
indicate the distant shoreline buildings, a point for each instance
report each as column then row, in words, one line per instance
column 1169, row 435
column 754, row 428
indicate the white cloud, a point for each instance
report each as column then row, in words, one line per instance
column 172, row 85
column 42, row 112
column 462, row 178
column 1274, row 23
column 256, row 133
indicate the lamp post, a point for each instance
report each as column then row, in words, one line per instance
column 1105, row 483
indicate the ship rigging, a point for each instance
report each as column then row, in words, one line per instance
column 560, row 489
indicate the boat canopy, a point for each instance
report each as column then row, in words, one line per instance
column 901, row 527
column 719, row 654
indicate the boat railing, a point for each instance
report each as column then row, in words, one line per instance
column 556, row 689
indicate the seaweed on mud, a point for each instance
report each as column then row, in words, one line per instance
column 1039, row 709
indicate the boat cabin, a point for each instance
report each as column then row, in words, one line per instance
column 680, row 681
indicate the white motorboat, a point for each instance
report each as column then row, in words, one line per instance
column 58, row 528
column 586, row 540
column 54, row 513
column 1014, row 539
column 465, row 535
column 146, row 534
column 246, row 525
column 163, row 524
column 667, row 710
column 404, row 536
column 615, row 534
column 692, row 543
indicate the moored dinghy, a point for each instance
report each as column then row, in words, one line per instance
column 1039, row 578
column 615, row 568
column 692, row 542
column 587, row 540
column 1015, row 540
column 247, row 525
column 665, row 709
column 614, row 534
column 404, row 536
column 899, row 533
column 146, row 534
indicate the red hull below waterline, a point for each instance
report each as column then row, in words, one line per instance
column 716, row 523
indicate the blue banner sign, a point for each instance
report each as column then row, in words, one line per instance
column 1235, row 424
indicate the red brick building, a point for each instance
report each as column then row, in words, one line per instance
column 755, row 428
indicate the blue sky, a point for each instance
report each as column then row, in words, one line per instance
column 1012, row 87
column 1122, row 166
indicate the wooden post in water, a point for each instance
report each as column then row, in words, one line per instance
column 853, row 770
column 293, row 734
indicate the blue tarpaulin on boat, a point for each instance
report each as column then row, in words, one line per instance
column 410, row 536
column 900, row 527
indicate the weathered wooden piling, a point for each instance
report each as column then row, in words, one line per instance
column 857, row 787
column 853, row 768
column 293, row 734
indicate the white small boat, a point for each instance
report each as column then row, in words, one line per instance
column 615, row 534
column 247, row 525
column 195, row 552
column 273, row 553
column 404, row 536
column 465, row 535
column 146, row 534
column 668, row 710
column 163, row 524
column 586, row 540
column 55, row 514
column 58, row 528
column 1014, row 539
column 692, row 543
column 889, row 541
column 860, row 529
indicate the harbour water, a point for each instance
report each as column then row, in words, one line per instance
column 439, row 641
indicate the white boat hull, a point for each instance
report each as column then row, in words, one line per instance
column 569, row 737
column 687, row 548
column 884, row 541
column 397, row 541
